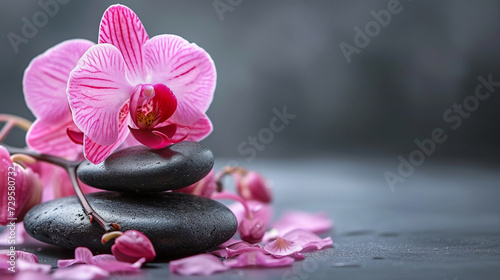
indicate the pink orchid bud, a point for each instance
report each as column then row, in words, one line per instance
column 133, row 245
column 252, row 230
column 252, row 186
column 205, row 187
column 20, row 189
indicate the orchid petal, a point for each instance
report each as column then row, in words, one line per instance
column 46, row 77
column 260, row 210
column 97, row 90
column 283, row 247
column 75, row 135
column 53, row 139
column 203, row 264
column 25, row 261
column 308, row 240
column 30, row 275
column 82, row 255
column 199, row 129
column 81, row 272
column 155, row 139
column 291, row 220
column 257, row 258
column 97, row 153
column 236, row 249
column 106, row 261
column 28, row 188
column 121, row 27
column 187, row 70
column 133, row 245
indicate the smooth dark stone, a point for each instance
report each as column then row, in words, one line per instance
column 141, row 169
column 177, row 224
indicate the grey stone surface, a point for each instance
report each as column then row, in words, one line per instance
column 177, row 224
column 141, row 169
column 442, row 223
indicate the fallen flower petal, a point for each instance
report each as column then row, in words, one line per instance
column 31, row 275
column 81, row 272
column 283, row 247
column 291, row 220
column 105, row 261
column 203, row 264
column 21, row 261
column 308, row 240
column 236, row 249
column 257, row 258
column 133, row 245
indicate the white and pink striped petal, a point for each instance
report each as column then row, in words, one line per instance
column 46, row 77
column 121, row 27
column 186, row 69
column 97, row 90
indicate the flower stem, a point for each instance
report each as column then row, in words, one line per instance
column 70, row 167
column 10, row 122
column 226, row 171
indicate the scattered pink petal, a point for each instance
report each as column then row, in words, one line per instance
column 203, row 264
column 236, row 249
column 283, row 247
column 258, row 258
column 291, row 220
column 81, row 272
column 32, row 275
column 23, row 261
column 106, row 262
column 133, row 245
column 308, row 240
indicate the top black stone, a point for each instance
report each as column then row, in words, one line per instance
column 141, row 169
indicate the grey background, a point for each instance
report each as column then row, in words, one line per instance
column 271, row 54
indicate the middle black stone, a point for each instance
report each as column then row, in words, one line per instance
column 141, row 169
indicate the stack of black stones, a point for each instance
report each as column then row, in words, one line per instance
column 136, row 181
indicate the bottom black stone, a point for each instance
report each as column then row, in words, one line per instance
column 177, row 224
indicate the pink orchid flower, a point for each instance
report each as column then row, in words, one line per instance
column 20, row 188
column 203, row 264
column 130, row 83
